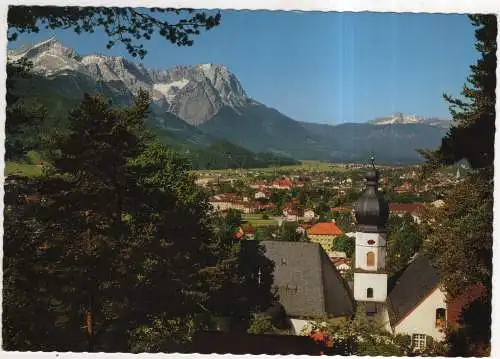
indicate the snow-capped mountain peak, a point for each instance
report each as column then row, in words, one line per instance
column 194, row 93
column 400, row 118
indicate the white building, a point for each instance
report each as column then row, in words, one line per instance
column 415, row 304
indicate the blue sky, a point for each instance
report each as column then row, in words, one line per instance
column 323, row 67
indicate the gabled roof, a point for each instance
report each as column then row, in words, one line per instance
column 325, row 228
column 406, row 207
column 308, row 283
column 409, row 287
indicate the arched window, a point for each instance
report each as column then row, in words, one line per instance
column 440, row 318
column 369, row 293
column 370, row 259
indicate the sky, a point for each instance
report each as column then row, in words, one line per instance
column 325, row 67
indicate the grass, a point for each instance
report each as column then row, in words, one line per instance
column 255, row 220
column 28, row 167
column 303, row 166
column 23, row 169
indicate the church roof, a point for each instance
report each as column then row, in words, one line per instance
column 409, row 287
column 371, row 209
column 308, row 283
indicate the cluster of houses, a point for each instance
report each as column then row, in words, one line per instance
column 412, row 304
column 309, row 274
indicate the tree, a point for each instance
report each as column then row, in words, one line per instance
column 404, row 239
column 22, row 119
column 124, row 25
column 263, row 233
column 345, row 244
column 288, row 232
column 460, row 237
column 239, row 278
column 115, row 226
column 359, row 336
column 363, row 336
column 472, row 135
column 79, row 225
column 461, row 234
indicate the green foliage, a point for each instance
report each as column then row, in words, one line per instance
column 22, row 119
column 345, row 244
column 240, row 275
column 344, row 221
column 288, row 232
column 262, row 324
column 460, row 235
column 223, row 154
column 472, row 136
column 263, row 233
column 404, row 239
column 125, row 25
column 112, row 228
column 360, row 336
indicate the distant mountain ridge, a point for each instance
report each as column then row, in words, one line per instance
column 199, row 103
column 400, row 118
column 193, row 93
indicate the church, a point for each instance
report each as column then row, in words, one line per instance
column 412, row 301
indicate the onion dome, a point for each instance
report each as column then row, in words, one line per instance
column 371, row 209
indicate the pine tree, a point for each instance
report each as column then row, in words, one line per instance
column 22, row 119
column 472, row 136
column 460, row 236
column 123, row 25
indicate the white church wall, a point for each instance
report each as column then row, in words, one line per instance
column 383, row 319
column 422, row 320
column 376, row 281
column 301, row 326
column 370, row 242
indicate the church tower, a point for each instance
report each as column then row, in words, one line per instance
column 370, row 276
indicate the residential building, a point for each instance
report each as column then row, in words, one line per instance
column 324, row 233
column 414, row 209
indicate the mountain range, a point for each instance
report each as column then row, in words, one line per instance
column 400, row 118
column 204, row 108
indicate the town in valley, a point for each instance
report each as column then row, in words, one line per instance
column 252, row 190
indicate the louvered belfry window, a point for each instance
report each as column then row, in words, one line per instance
column 370, row 259
column 369, row 293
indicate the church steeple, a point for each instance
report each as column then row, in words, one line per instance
column 371, row 209
column 371, row 212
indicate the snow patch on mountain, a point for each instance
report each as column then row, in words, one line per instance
column 169, row 90
column 400, row 118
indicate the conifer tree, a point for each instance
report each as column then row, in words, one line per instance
column 123, row 25
column 460, row 236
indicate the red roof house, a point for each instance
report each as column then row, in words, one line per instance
column 325, row 229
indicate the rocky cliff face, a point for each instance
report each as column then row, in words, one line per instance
column 193, row 93
column 211, row 98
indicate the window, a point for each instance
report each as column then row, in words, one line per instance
column 371, row 309
column 291, row 289
column 283, row 261
column 419, row 341
column 440, row 318
column 370, row 259
column 369, row 293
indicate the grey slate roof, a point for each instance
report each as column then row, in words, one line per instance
column 410, row 287
column 308, row 283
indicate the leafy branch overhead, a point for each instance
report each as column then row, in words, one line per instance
column 122, row 25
